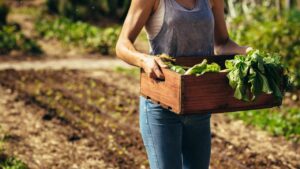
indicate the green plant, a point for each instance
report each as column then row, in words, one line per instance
column 8, row 162
column 12, row 39
column 203, row 67
column 12, row 163
column 257, row 72
column 198, row 69
column 278, row 121
column 134, row 72
column 93, row 38
column 88, row 9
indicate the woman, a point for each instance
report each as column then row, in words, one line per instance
column 177, row 28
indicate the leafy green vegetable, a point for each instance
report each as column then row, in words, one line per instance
column 203, row 67
column 94, row 39
column 170, row 62
column 178, row 69
column 213, row 67
column 256, row 73
column 198, row 68
column 13, row 39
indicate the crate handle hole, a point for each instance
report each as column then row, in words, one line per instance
column 159, row 80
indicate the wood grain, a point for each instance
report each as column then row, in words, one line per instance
column 167, row 92
column 189, row 94
column 211, row 93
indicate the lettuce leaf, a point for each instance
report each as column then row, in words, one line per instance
column 258, row 72
column 203, row 67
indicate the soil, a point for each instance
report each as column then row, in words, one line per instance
column 83, row 132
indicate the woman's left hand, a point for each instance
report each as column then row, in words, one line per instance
column 230, row 47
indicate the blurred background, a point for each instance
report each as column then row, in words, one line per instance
column 67, row 102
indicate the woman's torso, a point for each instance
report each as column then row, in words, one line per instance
column 178, row 31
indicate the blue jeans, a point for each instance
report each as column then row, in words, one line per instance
column 174, row 141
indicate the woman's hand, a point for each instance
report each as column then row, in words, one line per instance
column 230, row 47
column 223, row 44
column 153, row 67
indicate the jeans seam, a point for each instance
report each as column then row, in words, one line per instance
column 150, row 132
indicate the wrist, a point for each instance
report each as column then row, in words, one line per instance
column 143, row 60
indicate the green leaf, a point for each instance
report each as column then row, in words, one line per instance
column 229, row 64
column 197, row 69
column 265, row 84
column 178, row 69
column 258, row 72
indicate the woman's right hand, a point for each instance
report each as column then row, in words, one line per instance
column 153, row 65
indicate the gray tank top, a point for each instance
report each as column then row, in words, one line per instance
column 185, row 32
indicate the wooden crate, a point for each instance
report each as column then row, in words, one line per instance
column 188, row 94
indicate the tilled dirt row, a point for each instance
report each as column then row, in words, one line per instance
column 74, row 105
column 94, row 118
column 44, row 144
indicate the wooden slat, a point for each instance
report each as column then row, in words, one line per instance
column 166, row 93
column 211, row 93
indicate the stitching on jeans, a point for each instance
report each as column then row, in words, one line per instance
column 155, row 153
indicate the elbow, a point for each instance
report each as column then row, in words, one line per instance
column 118, row 48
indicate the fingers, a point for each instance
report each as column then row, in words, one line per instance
column 152, row 75
column 160, row 62
column 245, row 49
column 155, row 72
column 248, row 49
column 158, row 72
column 153, row 67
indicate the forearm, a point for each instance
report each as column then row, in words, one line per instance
column 221, row 32
column 150, row 64
column 230, row 47
column 223, row 44
column 126, row 51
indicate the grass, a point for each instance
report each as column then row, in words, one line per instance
column 13, row 39
column 11, row 163
column 8, row 162
column 78, row 33
column 134, row 72
column 283, row 121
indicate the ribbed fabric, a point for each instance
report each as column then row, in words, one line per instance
column 184, row 32
column 155, row 22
